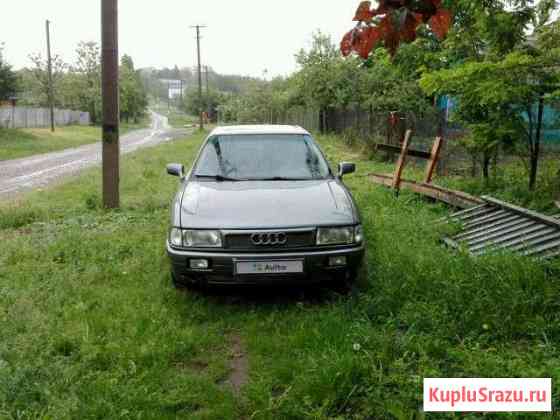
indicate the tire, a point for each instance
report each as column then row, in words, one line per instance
column 342, row 283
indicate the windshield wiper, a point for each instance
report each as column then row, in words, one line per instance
column 220, row 178
column 284, row 178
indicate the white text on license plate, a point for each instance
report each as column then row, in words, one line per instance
column 269, row 267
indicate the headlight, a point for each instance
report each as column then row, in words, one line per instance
column 195, row 238
column 358, row 234
column 335, row 236
column 202, row 238
column 176, row 237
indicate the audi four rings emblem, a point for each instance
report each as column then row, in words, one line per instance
column 263, row 239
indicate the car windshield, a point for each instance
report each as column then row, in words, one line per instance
column 262, row 157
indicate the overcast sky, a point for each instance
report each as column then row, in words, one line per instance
column 243, row 37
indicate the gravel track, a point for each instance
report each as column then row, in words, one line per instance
column 39, row 171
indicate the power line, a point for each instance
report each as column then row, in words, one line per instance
column 200, row 111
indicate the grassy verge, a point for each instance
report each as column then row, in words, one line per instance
column 91, row 328
column 126, row 127
column 19, row 143
column 179, row 120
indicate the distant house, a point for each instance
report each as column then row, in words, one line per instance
column 551, row 118
column 7, row 103
column 175, row 88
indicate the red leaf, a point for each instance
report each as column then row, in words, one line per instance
column 364, row 13
column 392, row 42
column 418, row 17
column 386, row 26
column 441, row 23
column 390, row 34
column 372, row 36
column 346, row 45
column 399, row 22
column 408, row 30
column 364, row 40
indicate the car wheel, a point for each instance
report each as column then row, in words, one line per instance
column 342, row 283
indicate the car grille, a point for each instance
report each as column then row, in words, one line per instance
column 294, row 239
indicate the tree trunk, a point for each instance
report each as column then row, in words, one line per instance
column 487, row 158
column 535, row 153
column 495, row 162
column 474, row 161
column 92, row 115
column 370, row 121
column 322, row 121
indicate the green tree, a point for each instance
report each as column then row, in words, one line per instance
column 88, row 84
column 38, row 79
column 9, row 85
column 488, row 38
column 316, row 77
column 210, row 101
column 133, row 97
column 502, row 101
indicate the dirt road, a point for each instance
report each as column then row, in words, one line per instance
column 38, row 171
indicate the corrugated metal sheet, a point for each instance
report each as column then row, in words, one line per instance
column 496, row 226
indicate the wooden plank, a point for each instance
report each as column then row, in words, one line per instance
column 433, row 160
column 402, row 161
column 396, row 149
column 454, row 198
column 382, row 179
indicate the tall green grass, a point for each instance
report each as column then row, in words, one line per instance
column 90, row 326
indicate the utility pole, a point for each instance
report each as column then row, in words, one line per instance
column 200, row 111
column 168, row 97
column 207, row 84
column 50, row 78
column 209, row 109
column 110, row 92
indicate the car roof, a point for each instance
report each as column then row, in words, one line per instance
column 258, row 129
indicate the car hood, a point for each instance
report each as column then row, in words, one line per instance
column 266, row 204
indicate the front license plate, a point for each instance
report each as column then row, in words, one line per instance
column 269, row 267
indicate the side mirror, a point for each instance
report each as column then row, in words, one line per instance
column 345, row 168
column 176, row 169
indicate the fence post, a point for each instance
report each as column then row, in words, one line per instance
column 401, row 162
column 432, row 162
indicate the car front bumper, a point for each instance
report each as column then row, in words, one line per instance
column 222, row 265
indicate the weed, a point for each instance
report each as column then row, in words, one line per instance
column 14, row 218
